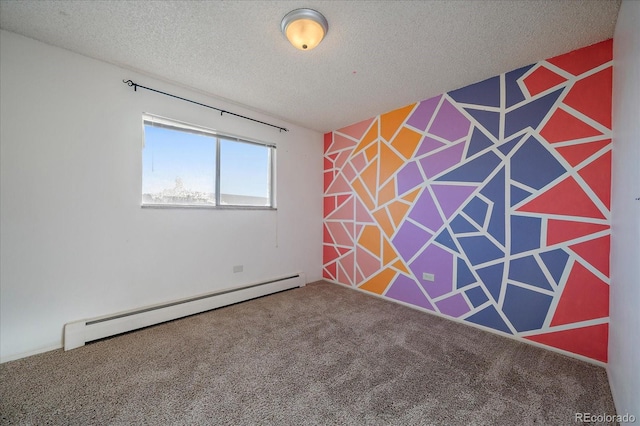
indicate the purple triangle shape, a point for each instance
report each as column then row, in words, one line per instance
column 451, row 197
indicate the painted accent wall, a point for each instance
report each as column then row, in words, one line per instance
column 489, row 204
column 74, row 241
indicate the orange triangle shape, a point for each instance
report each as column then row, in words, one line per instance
column 596, row 252
column 389, row 162
column 587, row 341
column 406, row 142
column 390, row 121
column 566, row 198
column 401, row 266
column 360, row 189
column 371, row 152
column 370, row 239
column 370, row 177
column 379, row 283
column 388, row 252
column 597, row 175
column 398, row 210
column 383, row 220
column 563, row 126
column 585, row 297
column 576, row 154
column 387, row 193
column 371, row 136
column 559, row 231
column 410, row 197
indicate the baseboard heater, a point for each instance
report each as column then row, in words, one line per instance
column 78, row 333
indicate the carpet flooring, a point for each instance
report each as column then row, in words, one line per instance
column 321, row 354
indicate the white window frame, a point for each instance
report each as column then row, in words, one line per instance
column 158, row 121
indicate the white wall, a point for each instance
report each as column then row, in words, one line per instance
column 624, row 343
column 75, row 242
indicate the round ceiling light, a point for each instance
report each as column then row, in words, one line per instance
column 304, row 28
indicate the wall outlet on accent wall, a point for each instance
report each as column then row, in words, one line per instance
column 428, row 277
column 238, row 268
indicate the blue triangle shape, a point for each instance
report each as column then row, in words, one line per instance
column 534, row 166
column 495, row 191
column 476, row 296
column 506, row 147
column 479, row 141
column 491, row 277
column 555, row 261
column 517, row 195
column 490, row 120
column 464, row 276
column 445, row 239
column 514, row 94
column 476, row 209
column 475, row 170
column 486, row 92
column 525, row 233
column 460, row 225
column 489, row 317
column 530, row 114
column 526, row 270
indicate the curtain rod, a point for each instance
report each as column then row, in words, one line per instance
column 222, row 111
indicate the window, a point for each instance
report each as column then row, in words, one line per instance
column 186, row 165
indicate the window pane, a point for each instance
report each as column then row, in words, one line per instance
column 178, row 167
column 244, row 174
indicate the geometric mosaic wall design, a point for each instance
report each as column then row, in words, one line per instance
column 500, row 190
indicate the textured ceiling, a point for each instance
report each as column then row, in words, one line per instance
column 377, row 56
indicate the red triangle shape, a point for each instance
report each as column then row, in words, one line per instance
column 338, row 185
column 559, row 231
column 587, row 341
column 326, row 236
column 576, row 154
column 584, row 297
column 344, row 212
column 344, row 250
column 585, row 59
column 329, row 205
column 329, row 253
column 563, row 126
column 342, row 198
column 330, row 271
column 357, row 130
column 542, row 79
column 328, row 178
column 592, row 96
column 566, row 198
column 597, row 175
column 328, row 138
column 596, row 252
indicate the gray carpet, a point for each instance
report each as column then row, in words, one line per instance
column 322, row 354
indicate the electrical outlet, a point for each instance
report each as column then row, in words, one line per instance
column 428, row 277
column 238, row 268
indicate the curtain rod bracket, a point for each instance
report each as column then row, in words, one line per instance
column 135, row 89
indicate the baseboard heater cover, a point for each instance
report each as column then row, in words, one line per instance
column 77, row 333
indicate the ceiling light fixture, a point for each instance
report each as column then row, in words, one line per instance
column 304, row 28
